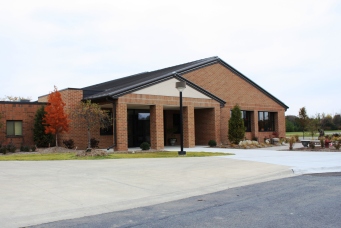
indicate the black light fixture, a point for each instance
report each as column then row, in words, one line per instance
column 181, row 86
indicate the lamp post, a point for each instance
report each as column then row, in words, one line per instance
column 181, row 86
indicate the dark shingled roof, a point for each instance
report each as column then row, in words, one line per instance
column 125, row 85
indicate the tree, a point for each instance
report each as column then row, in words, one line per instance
column 337, row 121
column 56, row 121
column 40, row 138
column 92, row 116
column 236, row 131
column 14, row 98
column 303, row 119
column 313, row 126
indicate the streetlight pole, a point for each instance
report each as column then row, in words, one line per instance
column 181, row 86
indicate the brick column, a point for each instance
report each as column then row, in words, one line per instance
column 280, row 123
column 224, row 124
column 254, row 124
column 188, row 125
column 156, row 127
column 217, row 132
column 121, row 127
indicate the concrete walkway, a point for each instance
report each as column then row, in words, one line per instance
column 39, row 192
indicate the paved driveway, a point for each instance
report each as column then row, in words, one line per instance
column 38, row 192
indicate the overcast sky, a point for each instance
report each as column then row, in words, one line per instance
column 291, row 48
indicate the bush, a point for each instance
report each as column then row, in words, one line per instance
column 212, row 143
column 94, row 143
column 11, row 148
column 236, row 130
column 33, row 148
column 337, row 145
column 25, row 148
column 3, row 149
column 145, row 146
column 69, row 143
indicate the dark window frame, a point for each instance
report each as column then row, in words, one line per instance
column 246, row 115
column 266, row 121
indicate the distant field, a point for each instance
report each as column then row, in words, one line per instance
column 300, row 134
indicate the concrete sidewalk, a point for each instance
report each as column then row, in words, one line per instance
column 45, row 191
column 299, row 162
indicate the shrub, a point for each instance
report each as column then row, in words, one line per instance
column 33, row 148
column 69, row 143
column 145, row 146
column 94, row 143
column 337, row 145
column 322, row 141
column 297, row 138
column 25, row 148
column 11, row 148
column 292, row 141
column 236, row 130
column 3, row 149
column 212, row 143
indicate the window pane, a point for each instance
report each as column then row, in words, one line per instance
column 10, row 128
column 18, row 128
column 266, row 115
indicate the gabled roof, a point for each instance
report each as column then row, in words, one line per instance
column 129, row 84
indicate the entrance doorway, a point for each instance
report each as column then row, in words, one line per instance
column 138, row 127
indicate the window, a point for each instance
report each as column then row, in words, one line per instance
column 14, row 127
column 108, row 130
column 266, row 121
column 246, row 115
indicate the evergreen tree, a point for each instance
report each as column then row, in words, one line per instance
column 236, row 131
column 40, row 138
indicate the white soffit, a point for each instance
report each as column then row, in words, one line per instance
column 167, row 88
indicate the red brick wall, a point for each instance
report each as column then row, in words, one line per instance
column 18, row 111
column 223, row 83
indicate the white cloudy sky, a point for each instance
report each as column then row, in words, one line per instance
column 291, row 48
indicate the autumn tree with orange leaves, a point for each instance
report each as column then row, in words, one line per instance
column 56, row 120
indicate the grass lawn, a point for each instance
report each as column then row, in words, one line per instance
column 72, row 156
column 306, row 133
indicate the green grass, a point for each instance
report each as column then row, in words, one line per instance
column 306, row 133
column 72, row 156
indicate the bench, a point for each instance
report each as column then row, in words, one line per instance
column 305, row 142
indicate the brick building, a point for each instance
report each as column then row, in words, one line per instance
column 145, row 106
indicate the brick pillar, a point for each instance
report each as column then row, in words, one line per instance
column 280, row 123
column 156, row 127
column 224, row 124
column 254, row 124
column 188, row 125
column 121, row 127
column 217, row 132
